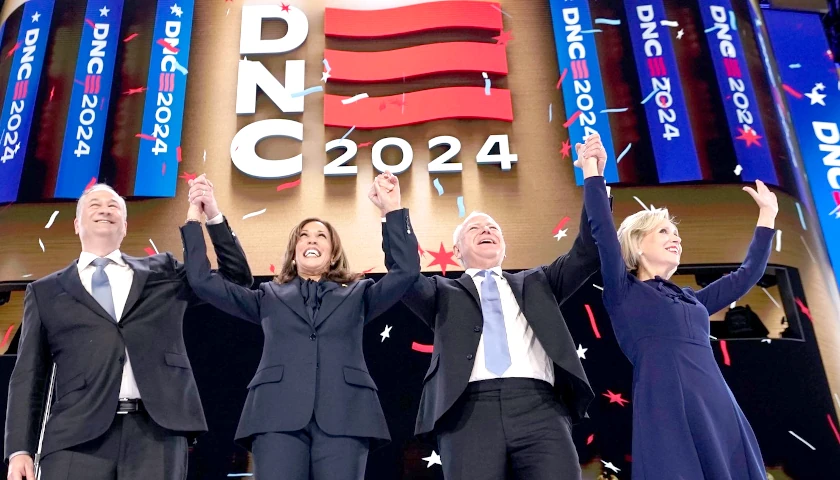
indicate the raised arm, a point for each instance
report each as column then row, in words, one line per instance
column 731, row 287
column 420, row 296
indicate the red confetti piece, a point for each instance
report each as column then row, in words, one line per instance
column 442, row 258
column 145, row 136
column 9, row 334
column 723, row 348
column 560, row 226
column 366, row 144
column 52, row 93
column 163, row 169
column 288, row 185
column 567, row 147
column 615, row 398
column 149, row 251
column 271, row 267
column 803, row 308
column 284, row 7
column 572, row 119
column 830, row 422
column 562, row 76
column 368, row 270
column 91, row 183
column 592, row 320
column 12, row 50
column 749, row 136
column 163, row 43
column 421, row 251
column 590, row 439
column 130, row 37
column 628, row 458
column 503, row 38
column 836, row 195
column 79, row 82
column 791, row 91
column 132, row 91
column 178, row 153
column 422, row 348
column 90, row 22
column 188, row 176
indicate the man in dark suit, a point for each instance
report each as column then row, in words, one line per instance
column 505, row 383
column 125, row 400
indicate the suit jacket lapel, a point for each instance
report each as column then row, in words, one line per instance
column 141, row 273
column 72, row 284
column 289, row 293
column 516, row 283
column 333, row 297
column 467, row 282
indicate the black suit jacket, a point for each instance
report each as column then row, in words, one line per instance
column 310, row 366
column 63, row 323
column 452, row 308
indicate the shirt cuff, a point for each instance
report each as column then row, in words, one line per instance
column 383, row 220
column 22, row 452
column 216, row 220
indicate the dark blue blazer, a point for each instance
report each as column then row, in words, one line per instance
column 310, row 366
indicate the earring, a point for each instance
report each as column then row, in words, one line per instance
column 641, row 253
column 293, row 262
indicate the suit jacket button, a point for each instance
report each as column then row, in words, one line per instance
column 470, row 356
column 312, row 337
column 122, row 360
column 476, row 329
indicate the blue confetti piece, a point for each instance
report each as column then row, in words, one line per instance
column 795, row 65
column 349, row 132
column 711, row 29
column 308, row 91
column 607, row 21
column 732, row 22
column 438, row 186
column 594, row 30
column 615, row 110
column 181, row 68
column 626, row 149
column 801, row 217
column 327, row 65
column 650, row 95
column 462, row 212
column 486, row 83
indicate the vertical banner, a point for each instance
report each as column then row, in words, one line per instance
column 88, row 113
column 736, row 89
column 163, row 114
column 583, row 90
column 665, row 109
column 21, row 92
column 809, row 77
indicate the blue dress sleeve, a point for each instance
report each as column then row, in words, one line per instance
column 729, row 288
column 613, row 271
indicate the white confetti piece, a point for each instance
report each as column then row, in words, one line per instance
column 607, row 21
column 253, row 214
column 354, row 99
column 549, row 113
column 650, row 95
column 611, row 466
column 349, row 132
column 837, row 399
column 52, row 219
column 801, row 217
column 386, row 333
column 153, row 245
column 42, row 245
column 608, row 190
column 26, row 276
column 738, row 169
column 732, row 305
column 640, row 202
column 581, row 352
column 669, row 23
column 614, row 110
column 713, row 337
column 593, row 30
column 205, row 156
column 801, row 440
column 599, row 288
column 766, row 340
column 775, row 302
column 486, row 83
column 807, row 249
column 503, row 12
column 778, row 240
column 795, row 65
column 432, row 459
column 623, row 152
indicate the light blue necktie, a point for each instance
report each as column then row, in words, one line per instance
column 496, row 353
column 100, row 287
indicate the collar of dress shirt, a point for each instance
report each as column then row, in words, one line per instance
column 475, row 271
column 86, row 258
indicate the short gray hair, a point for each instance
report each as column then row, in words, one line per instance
column 456, row 235
column 102, row 186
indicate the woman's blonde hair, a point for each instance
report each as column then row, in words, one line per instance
column 339, row 271
column 634, row 228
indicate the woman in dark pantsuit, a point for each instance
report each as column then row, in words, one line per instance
column 686, row 422
column 312, row 409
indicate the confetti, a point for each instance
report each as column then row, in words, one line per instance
column 562, row 76
column 615, row 398
column 713, row 337
column 132, row 91
column 163, row 43
column 560, row 225
column 52, row 93
column 163, row 168
column 13, row 50
column 153, row 245
column 592, row 320
column 572, row 119
column 611, row 466
column 732, row 20
column 461, row 210
column 180, row 68
column 91, row 183
column 42, row 245
column 614, row 110
column 581, row 352
column 669, row 23
column 327, row 65
column 778, row 240
column 354, row 99
column 801, row 217
column 623, row 153
column 287, row 185
column 640, row 202
column 810, row 253
column 680, row 34
column 791, row 91
column 422, row 348
column 149, row 251
column 500, row 10
column 712, row 29
column 442, row 258
column 650, row 95
column 549, row 113
column 26, row 276
column 438, row 186
column 567, row 147
column 801, row 440
column 366, row 144
column 607, row 21
column 766, row 340
column 130, row 37
column 598, row 287
column 271, row 267
column 365, row 272
column 837, row 399
column 775, row 302
column 386, row 333
column 593, row 30
column 205, row 156
column 90, row 22
column 830, row 422
column 253, row 214
column 348, row 132
column 52, row 219
column 590, row 439
column 795, row 65
column 178, row 153
column 188, row 176
column 805, row 310
column 503, row 38
column 486, row 83
column 8, row 334
column 145, row 136
column 432, row 459
column 725, row 351
column 738, row 169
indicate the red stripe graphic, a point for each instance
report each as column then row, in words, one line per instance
column 579, row 69
column 98, row 83
column 87, row 84
column 836, row 195
column 424, row 17
column 732, row 68
column 16, row 95
column 416, row 61
column 421, row 106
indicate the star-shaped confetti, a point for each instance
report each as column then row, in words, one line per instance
column 503, row 38
column 561, row 233
column 386, row 333
column 325, row 76
column 819, row 86
column 188, row 176
column 432, row 459
column 680, row 34
column 816, row 97
column 103, row 12
column 611, row 466
column 284, row 7
column 749, row 136
column 35, row 17
column 581, row 352
column 615, row 398
column 567, row 147
column 442, row 258
column 176, row 10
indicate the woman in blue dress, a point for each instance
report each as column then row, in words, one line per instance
column 686, row 422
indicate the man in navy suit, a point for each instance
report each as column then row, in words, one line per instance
column 125, row 397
